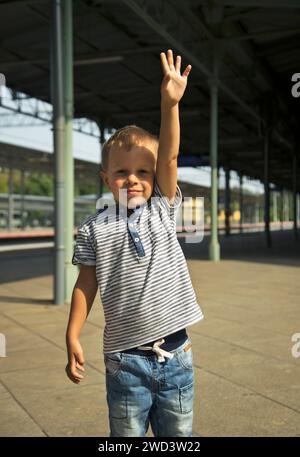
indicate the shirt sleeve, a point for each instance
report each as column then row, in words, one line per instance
column 84, row 252
column 171, row 208
column 157, row 192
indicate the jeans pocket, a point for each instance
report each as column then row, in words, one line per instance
column 185, row 357
column 113, row 363
column 186, row 398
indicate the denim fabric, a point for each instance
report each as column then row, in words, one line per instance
column 140, row 390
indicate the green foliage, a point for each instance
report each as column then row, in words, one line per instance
column 34, row 183
column 3, row 183
column 84, row 188
column 43, row 184
column 39, row 184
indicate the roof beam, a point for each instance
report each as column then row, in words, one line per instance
column 249, row 55
column 88, row 59
column 144, row 10
column 257, row 3
column 267, row 35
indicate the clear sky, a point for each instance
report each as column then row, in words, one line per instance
column 29, row 132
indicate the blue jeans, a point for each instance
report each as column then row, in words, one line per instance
column 141, row 390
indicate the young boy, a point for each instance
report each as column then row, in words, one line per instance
column 132, row 254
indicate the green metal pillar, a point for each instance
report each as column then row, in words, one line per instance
column 256, row 205
column 275, row 215
column 267, row 185
column 10, row 212
column 22, row 192
column 241, row 203
column 286, row 206
column 214, row 247
column 281, row 209
column 227, row 201
column 295, row 196
column 71, row 271
column 58, row 140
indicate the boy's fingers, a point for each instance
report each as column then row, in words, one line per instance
column 80, row 367
column 70, row 375
column 164, row 63
column 170, row 58
column 79, row 358
column 76, row 376
column 178, row 64
column 74, row 373
column 187, row 70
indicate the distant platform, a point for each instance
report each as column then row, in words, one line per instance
column 235, row 229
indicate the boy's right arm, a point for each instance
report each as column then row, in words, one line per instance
column 83, row 297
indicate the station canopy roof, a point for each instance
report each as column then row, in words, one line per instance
column 32, row 160
column 117, row 71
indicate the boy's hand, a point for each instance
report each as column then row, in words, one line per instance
column 76, row 361
column 173, row 84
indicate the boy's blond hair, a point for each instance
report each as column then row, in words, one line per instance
column 125, row 137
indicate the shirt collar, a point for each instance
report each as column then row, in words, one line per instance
column 131, row 213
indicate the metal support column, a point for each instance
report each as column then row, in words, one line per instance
column 71, row 271
column 286, row 206
column 22, row 192
column 241, row 203
column 256, row 205
column 58, row 141
column 10, row 211
column 214, row 247
column 275, row 215
column 295, row 196
column 219, row 192
column 281, row 208
column 267, row 186
column 227, row 201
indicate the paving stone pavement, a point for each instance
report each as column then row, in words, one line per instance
column 246, row 379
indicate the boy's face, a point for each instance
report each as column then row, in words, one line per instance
column 132, row 170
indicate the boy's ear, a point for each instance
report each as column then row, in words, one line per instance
column 103, row 176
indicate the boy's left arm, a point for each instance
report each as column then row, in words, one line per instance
column 172, row 90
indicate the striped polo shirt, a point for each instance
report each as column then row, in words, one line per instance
column 145, row 286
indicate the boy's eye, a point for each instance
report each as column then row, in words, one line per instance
column 123, row 171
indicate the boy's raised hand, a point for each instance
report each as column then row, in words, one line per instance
column 173, row 84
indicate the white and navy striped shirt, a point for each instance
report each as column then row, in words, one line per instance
column 145, row 286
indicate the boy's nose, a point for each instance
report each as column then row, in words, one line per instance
column 132, row 178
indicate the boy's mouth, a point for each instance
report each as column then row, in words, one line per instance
column 133, row 192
